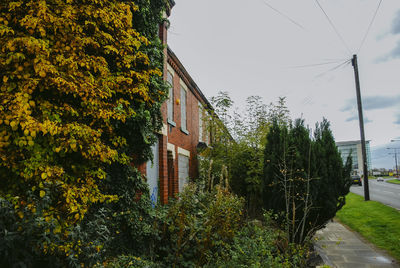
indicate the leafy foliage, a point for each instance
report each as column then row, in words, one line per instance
column 274, row 163
column 80, row 94
column 243, row 158
column 127, row 261
column 259, row 244
column 305, row 180
column 209, row 229
column 199, row 226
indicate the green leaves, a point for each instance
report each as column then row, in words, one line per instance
column 304, row 177
column 80, row 91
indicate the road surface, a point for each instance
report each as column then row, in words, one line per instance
column 381, row 191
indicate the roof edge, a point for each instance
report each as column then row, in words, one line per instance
column 193, row 85
column 169, row 4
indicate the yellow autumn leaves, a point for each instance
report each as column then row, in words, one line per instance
column 42, row 193
column 69, row 75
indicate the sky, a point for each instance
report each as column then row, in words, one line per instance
column 274, row 48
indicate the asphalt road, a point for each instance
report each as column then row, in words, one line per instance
column 381, row 191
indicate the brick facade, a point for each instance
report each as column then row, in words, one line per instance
column 177, row 144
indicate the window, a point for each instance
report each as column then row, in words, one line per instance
column 200, row 122
column 183, row 109
column 183, row 171
column 153, row 174
column 170, row 102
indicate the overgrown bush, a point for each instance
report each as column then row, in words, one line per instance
column 198, row 227
column 256, row 245
column 209, row 229
column 80, row 93
column 237, row 146
column 124, row 261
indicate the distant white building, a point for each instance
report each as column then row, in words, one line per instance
column 354, row 148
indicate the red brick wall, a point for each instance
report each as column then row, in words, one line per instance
column 176, row 136
column 163, row 170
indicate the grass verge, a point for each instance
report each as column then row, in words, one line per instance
column 378, row 223
column 395, row 181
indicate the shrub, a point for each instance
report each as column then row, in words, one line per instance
column 208, row 229
column 259, row 246
column 80, row 94
column 198, row 227
column 126, row 261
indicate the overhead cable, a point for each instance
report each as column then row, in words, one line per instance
column 334, row 68
column 316, row 64
column 334, row 28
column 284, row 15
column 369, row 27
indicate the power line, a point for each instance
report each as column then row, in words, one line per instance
column 370, row 25
column 334, row 68
column 284, row 15
column 333, row 26
column 315, row 64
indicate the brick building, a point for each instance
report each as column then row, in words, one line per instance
column 175, row 153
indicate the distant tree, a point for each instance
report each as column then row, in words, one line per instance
column 279, row 112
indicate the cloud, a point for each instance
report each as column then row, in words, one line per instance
column 350, row 104
column 372, row 103
column 355, row 117
column 397, row 122
column 396, row 24
column 380, row 102
column 393, row 54
column 352, row 118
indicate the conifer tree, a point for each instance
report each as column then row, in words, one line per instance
column 333, row 182
column 305, row 180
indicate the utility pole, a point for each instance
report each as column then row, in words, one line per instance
column 361, row 120
column 395, row 159
column 395, row 156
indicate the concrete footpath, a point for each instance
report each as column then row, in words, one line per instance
column 339, row 247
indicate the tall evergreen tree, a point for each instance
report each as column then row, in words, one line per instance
column 334, row 181
column 305, row 180
column 275, row 155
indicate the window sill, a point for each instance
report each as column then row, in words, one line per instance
column 172, row 123
column 185, row 131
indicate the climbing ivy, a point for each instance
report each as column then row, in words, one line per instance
column 80, row 90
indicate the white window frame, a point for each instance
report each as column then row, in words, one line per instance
column 184, row 109
column 201, row 129
column 170, row 101
column 183, row 181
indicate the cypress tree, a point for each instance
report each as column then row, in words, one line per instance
column 305, row 179
column 274, row 155
column 334, row 178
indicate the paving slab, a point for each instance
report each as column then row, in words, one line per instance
column 340, row 247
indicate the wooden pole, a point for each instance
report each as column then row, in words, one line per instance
column 361, row 120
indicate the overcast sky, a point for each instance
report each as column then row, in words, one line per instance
column 248, row 48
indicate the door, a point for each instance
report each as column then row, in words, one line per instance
column 170, row 166
column 183, row 167
column 152, row 171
